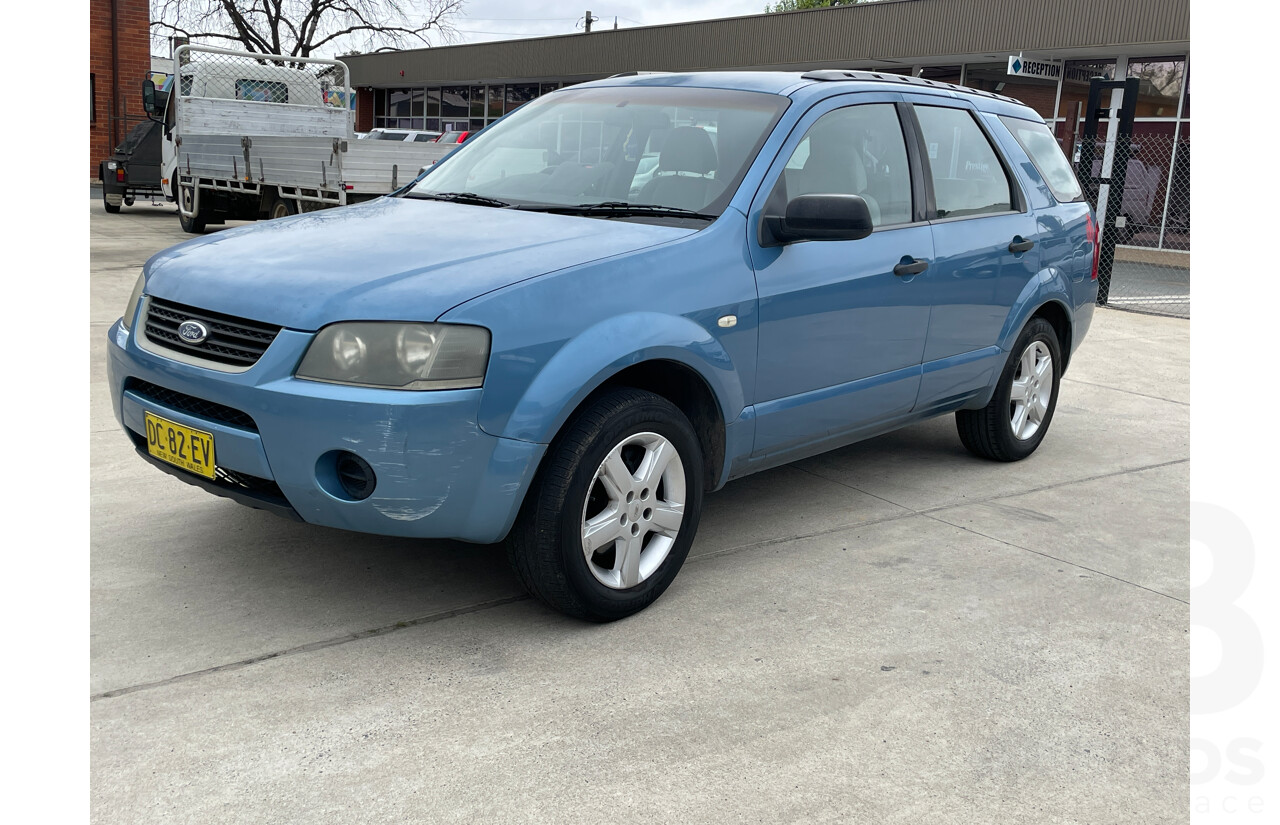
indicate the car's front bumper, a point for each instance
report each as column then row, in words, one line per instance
column 438, row 474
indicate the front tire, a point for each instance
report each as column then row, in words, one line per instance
column 613, row 513
column 1013, row 424
column 195, row 225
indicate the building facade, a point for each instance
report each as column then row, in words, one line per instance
column 119, row 60
column 969, row 42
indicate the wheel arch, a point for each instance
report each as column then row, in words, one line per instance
column 670, row 356
column 1055, row 312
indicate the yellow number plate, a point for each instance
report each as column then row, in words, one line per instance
column 180, row 446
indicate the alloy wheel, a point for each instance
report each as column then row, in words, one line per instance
column 634, row 510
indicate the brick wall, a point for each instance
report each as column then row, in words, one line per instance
column 112, row 123
column 364, row 109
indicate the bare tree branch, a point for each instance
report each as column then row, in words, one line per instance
column 301, row 27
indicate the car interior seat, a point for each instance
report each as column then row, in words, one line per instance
column 685, row 169
column 834, row 167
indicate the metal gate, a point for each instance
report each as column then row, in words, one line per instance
column 1141, row 191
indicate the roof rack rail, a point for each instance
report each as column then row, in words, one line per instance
column 634, row 74
column 890, row 77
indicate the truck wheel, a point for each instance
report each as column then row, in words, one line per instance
column 128, row 200
column 193, row 225
column 614, row 510
column 107, row 204
column 1015, row 422
column 283, row 208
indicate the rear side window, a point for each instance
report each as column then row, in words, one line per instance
column 1037, row 141
column 968, row 178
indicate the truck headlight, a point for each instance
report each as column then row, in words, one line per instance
column 398, row 356
column 131, row 308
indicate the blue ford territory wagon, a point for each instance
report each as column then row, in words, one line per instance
column 615, row 300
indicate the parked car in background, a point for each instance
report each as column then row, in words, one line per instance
column 454, row 137
column 575, row 366
column 402, row 135
column 134, row 168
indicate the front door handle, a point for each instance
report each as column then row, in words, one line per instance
column 910, row 266
column 1020, row 244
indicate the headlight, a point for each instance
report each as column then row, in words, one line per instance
column 131, row 308
column 398, row 356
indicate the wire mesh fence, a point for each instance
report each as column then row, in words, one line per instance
column 204, row 72
column 1148, row 226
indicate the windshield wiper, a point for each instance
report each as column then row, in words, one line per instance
column 620, row 209
column 469, row 198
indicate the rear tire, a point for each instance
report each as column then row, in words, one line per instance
column 112, row 208
column 282, row 208
column 623, row 478
column 1013, row 424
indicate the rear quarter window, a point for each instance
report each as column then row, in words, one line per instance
column 1038, row 142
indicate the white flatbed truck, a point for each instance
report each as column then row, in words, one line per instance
column 251, row 136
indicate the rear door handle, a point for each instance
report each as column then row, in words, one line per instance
column 910, row 266
column 1020, row 244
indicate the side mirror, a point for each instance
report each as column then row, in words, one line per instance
column 149, row 103
column 818, row 218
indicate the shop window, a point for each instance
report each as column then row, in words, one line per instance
column 1035, row 92
column 495, row 101
column 519, row 94
column 1159, row 84
column 416, row 102
column 477, row 101
column 433, row 103
column 453, row 101
column 397, row 103
column 941, row 74
column 1076, row 75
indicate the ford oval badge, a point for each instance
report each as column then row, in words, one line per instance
column 192, row 332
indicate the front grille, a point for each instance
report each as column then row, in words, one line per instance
column 190, row 404
column 236, row 342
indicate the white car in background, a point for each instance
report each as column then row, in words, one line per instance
column 401, row 135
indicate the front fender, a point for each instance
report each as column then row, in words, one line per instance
column 601, row 351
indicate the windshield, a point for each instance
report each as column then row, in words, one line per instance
column 676, row 148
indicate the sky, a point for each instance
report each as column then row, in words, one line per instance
column 483, row 20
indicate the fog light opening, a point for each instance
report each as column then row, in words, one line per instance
column 345, row 476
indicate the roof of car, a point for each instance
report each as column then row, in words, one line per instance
column 784, row 83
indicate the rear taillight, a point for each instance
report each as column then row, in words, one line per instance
column 1091, row 234
column 120, row 174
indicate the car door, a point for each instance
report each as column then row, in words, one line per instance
column 984, row 244
column 841, row 334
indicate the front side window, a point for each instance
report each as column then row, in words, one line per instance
column 1038, row 142
column 857, row 150
column 683, row 149
column 968, row 178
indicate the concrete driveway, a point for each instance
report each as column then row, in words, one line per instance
column 895, row 632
